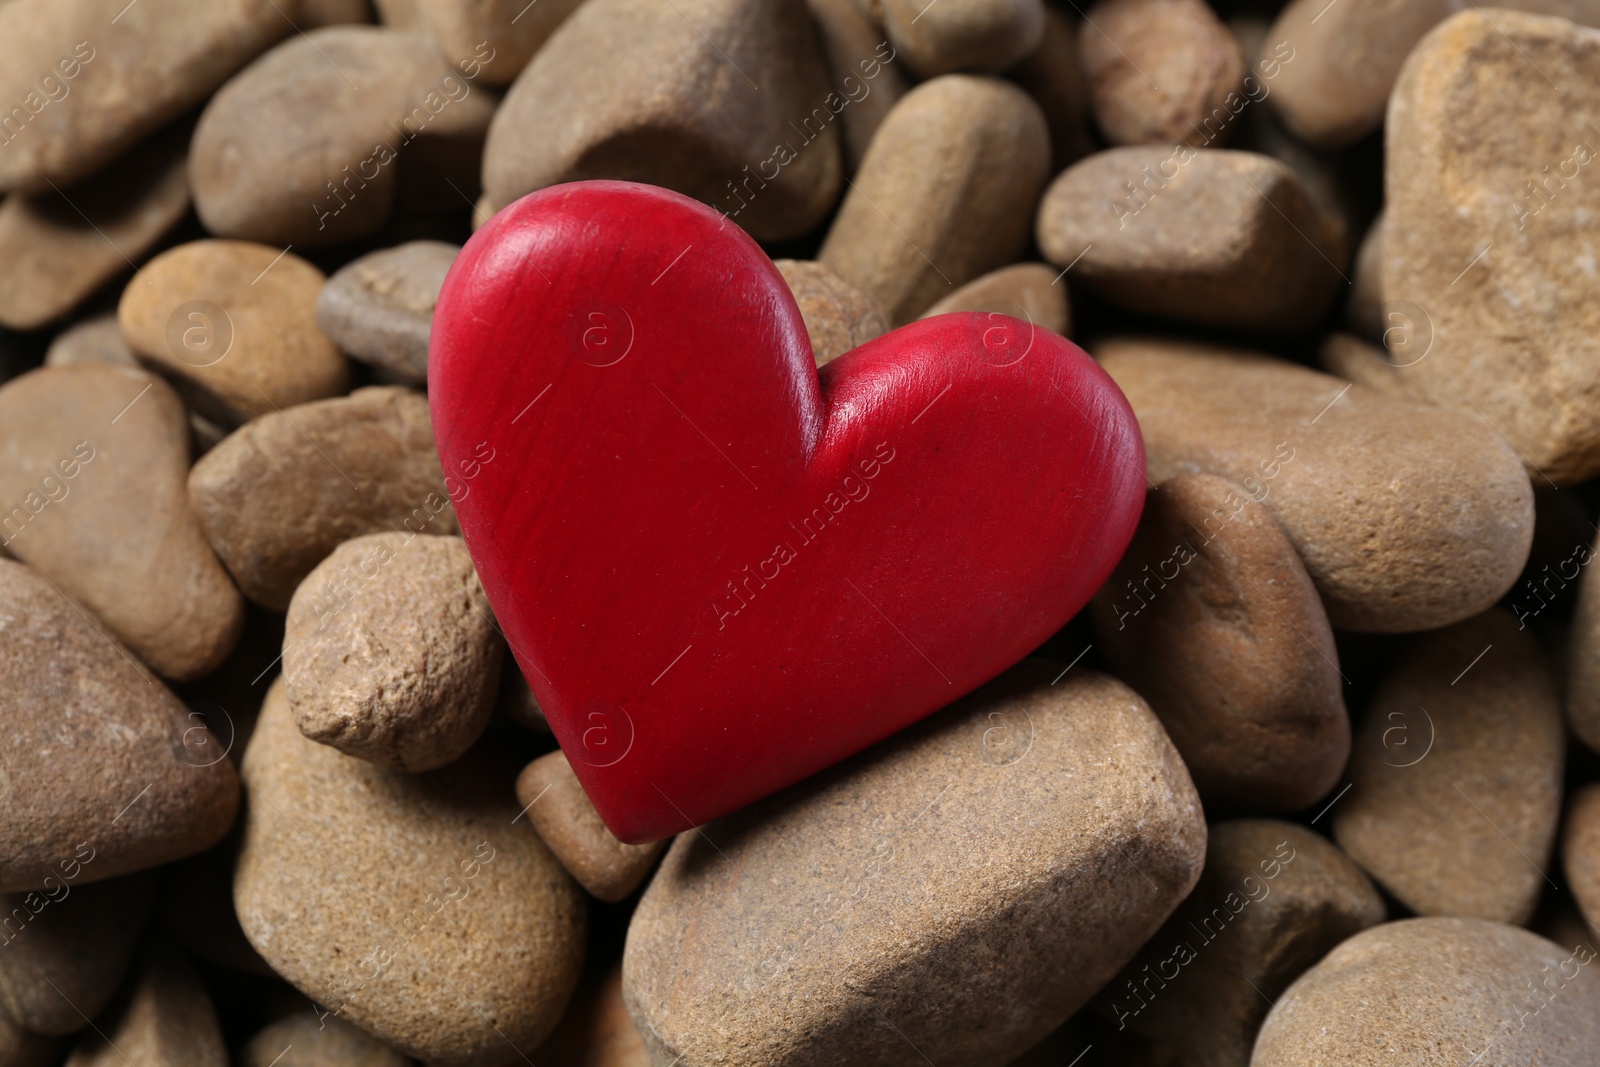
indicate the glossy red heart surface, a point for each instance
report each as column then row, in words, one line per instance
column 720, row 569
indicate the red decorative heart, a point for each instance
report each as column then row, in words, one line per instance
column 720, row 569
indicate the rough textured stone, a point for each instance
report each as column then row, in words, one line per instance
column 1027, row 291
column 838, row 316
column 1053, row 76
column 1160, row 71
column 697, row 96
column 509, row 31
column 379, row 308
column 596, row 1030
column 96, row 340
column 1580, row 849
column 167, row 1019
column 851, row 44
column 70, row 954
column 285, row 490
column 233, row 326
column 958, row 35
column 1457, row 774
column 305, row 1040
column 945, row 193
column 560, row 810
column 1406, row 517
column 58, row 247
column 1516, row 331
column 93, row 462
column 390, row 652
column 919, row 893
column 306, row 145
column 407, row 904
column 1213, row 619
column 1437, row 993
column 94, row 77
column 1215, row 237
column 1355, row 360
column 104, row 768
column 1274, row 898
column 1583, row 655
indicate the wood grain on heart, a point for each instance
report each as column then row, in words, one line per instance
column 720, row 569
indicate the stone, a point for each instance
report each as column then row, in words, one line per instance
column 917, row 895
column 1580, row 849
column 304, row 1040
column 83, row 81
column 390, row 652
column 1491, row 235
column 282, row 492
column 1457, row 774
column 1437, row 991
column 944, row 195
column 307, row 145
column 1053, row 76
column 1212, row 237
column 1406, row 517
column 1213, row 619
column 408, row 905
column 96, row 340
column 1583, row 651
column 167, row 1019
column 838, row 316
column 1028, row 291
column 93, row 464
column 63, row 961
column 963, row 35
column 23, row 1048
column 560, row 810
column 1364, row 309
column 57, row 247
column 726, row 101
column 1273, row 900
column 106, row 773
column 510, row 31
column 379, row 308
column 1160, row 72
column 850, row 43
column 233, row 326
column 1355, row 360
column 596, row 1030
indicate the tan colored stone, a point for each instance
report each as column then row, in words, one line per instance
column 838, row 316
column 945, row 194
column 306, row 145
column 1355, row 360
column 962, row 35
column 305, row 1040
column 596, row 1030
column 68, row 954
column 1053, row 76
column 167, row 1020
column 856, row 50
column 502, row 35
column 1406, row 517
column 1214, row 237
column 409, row 905
column 1274, row 898
column 917, row 894
column 58, row 247
column 697, row 96
column 288, row 488
column 560, row 810
column 93, row 464
column 1161, row 72
column 93, row 78
column 1492, row 236
column 390, row 652
column 1213, row 619
column 1457, row 774
column 379, row 308
column 1029, row 291
column 96, row 340
column 1580, row 849
column 233, row 326
column 106, row 772
column 1437, row 993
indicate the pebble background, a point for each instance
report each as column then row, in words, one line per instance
column 1312, row 781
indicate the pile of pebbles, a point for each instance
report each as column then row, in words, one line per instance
column 1313, row 780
